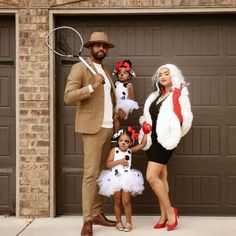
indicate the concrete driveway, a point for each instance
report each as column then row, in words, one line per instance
column 142, row 226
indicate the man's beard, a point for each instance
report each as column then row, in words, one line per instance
column 97, row 56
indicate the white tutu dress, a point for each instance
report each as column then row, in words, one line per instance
column 120, row 177
column 123, row 102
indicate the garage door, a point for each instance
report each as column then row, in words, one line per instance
column 202, row 172
column 7, row 116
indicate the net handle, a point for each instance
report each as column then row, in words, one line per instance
column 69, row 55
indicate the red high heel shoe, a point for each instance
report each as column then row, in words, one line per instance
column 160, row 225
column 172, row 226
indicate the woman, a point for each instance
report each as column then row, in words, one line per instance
column 167, row 113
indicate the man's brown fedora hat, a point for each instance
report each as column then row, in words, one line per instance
column 98, row 37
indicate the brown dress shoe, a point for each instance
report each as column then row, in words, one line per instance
column 87, row 229
column 101, row 219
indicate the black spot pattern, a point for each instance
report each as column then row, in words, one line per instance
column 117, row 172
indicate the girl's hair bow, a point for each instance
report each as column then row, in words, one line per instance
column 127, row 65
column 132, row 133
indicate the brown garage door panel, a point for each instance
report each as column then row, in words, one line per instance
column 144, row 43
column 230, row 191
column 71, row 182
column 7, row 91
column 7, row 187
column 7, row 142
column 70, row 174
column 203, row 191
column 62, row 75
column 7, row 40
column 201, row 142
column 197, row 189
column 231, row 135
column 71, row 144
column 202, row 169
column 7, row 115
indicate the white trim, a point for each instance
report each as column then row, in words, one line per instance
column 8, row 11
column 156, row 11
column 97, row 11
column 52, row 124
column 17, row 115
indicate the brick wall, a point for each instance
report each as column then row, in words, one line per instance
column 34, row 169
column 34, row 112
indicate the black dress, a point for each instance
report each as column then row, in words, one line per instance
column 157, row 153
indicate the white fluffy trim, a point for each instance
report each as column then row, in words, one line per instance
column 168, row 128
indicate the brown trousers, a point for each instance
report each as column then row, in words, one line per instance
column 96, row 150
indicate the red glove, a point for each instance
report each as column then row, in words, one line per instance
column 176, row 105
column 146, row 127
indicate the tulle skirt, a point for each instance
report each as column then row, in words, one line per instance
column 130, row 181
column 127, row 105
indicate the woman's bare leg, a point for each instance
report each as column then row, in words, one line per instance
column 163, row 176
column 153, row 176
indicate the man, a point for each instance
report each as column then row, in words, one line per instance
column 95, row 99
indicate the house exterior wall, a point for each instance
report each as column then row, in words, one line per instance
column 34, row 198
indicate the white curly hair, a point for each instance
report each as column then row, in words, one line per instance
column 175, row 73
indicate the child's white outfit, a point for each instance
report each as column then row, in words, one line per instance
column 121, row 177
column 123, row 102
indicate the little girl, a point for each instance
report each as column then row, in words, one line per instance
column 122, row 181
column 124, row 89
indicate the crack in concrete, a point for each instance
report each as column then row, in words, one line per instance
column 25, row 227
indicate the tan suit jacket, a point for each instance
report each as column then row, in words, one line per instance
column 90, row 106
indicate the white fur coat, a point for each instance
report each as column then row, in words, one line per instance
column 168, row 128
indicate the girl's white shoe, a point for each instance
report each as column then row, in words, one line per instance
column 127, row 227
column 120, row 227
